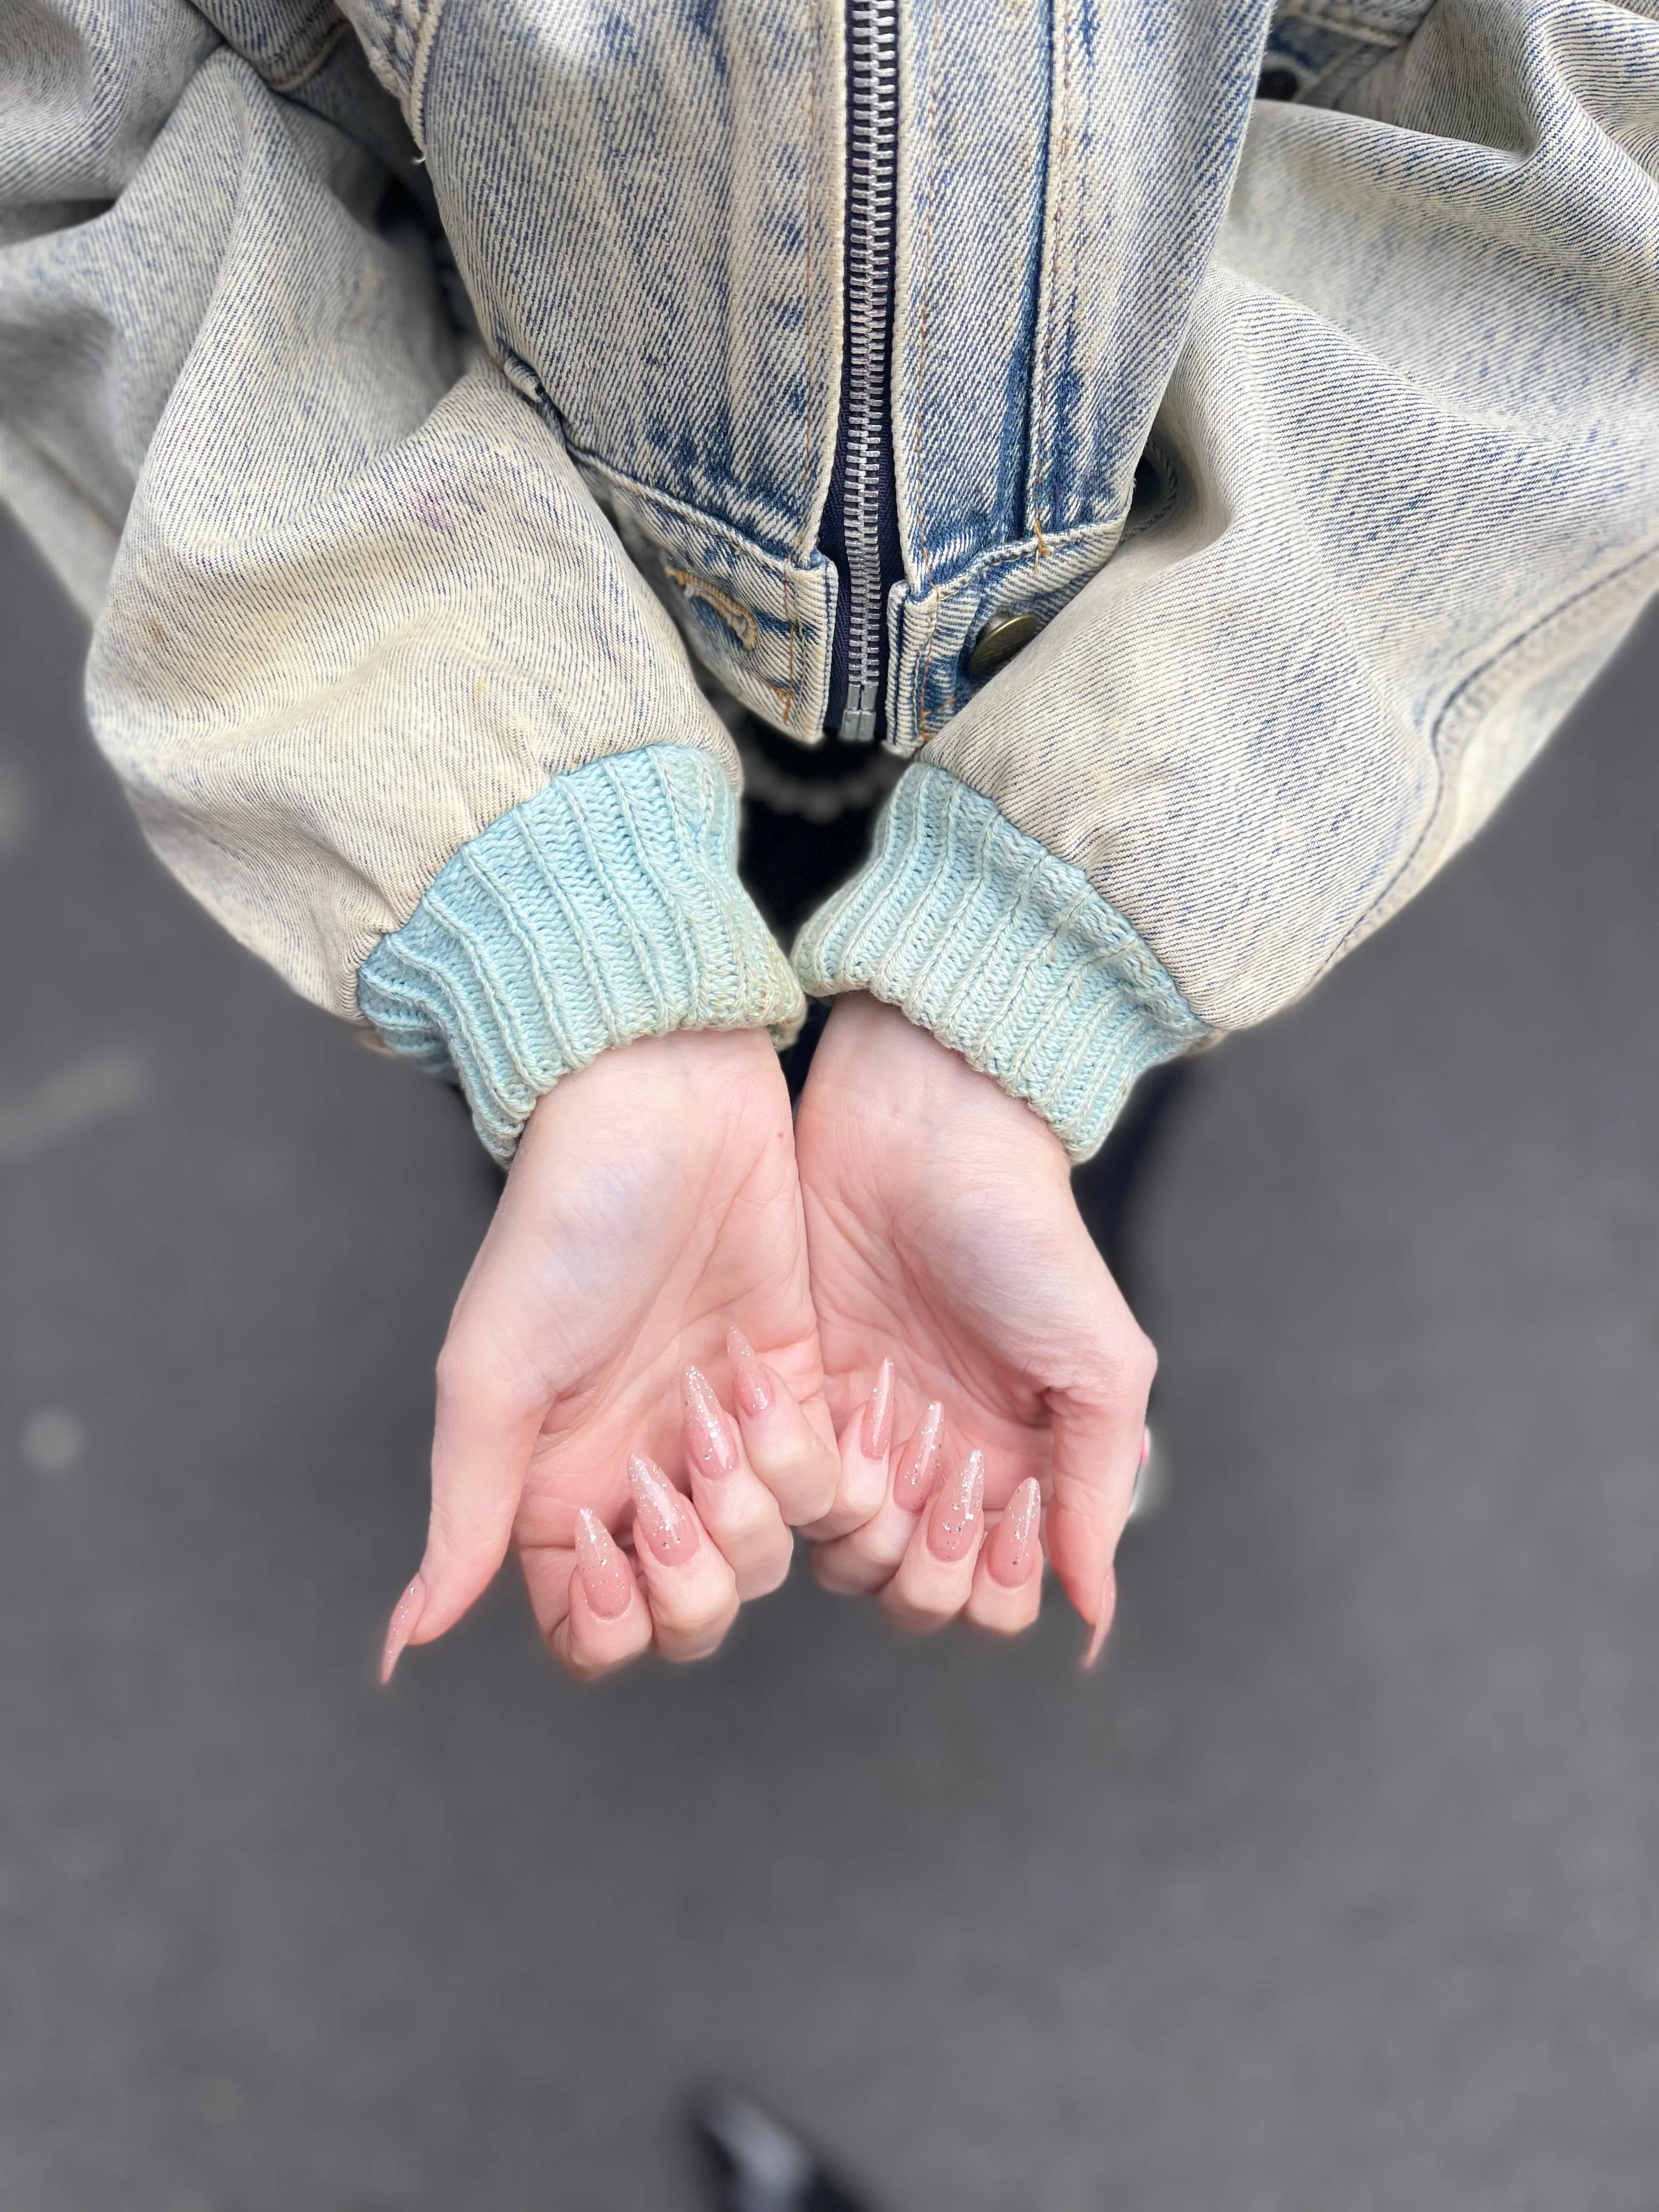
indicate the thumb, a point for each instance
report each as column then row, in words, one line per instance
column 481, row 1451
column 1097, row 1453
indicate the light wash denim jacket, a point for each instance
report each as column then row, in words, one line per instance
column 410, row 388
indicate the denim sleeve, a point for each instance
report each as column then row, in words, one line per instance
column 384, row 690
column 1414, row 436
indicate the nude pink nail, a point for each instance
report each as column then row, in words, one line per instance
column 958, row 1513
column 708, row 1439
column 749, row 1383
column 405, row 1620
column 604, row 1573
column 1011, row 1548
column 877, row 1431
column 661, row 1514
column 1102, row 1619
column 914, row 1483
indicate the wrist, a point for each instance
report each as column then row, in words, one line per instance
column 606, row 910
column 874, row 1062
column 1003, row 952
column 674, row 1093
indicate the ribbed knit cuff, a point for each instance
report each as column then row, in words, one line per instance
column 1006, row 953
column 606, row 908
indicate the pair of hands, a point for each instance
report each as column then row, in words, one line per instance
column 947, row 1384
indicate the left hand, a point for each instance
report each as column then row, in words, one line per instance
column 942, row 1235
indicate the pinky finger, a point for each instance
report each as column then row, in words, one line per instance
column 608, row 1622
column 1007, row 1592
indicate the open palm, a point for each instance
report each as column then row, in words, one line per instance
column 943, row 1233
column 653, row 1203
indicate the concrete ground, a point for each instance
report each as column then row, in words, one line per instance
column 1337, row 1888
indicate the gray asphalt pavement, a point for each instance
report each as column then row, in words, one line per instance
column 1337, row 1888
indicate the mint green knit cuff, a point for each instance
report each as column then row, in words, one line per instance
column 606, row 908
column 1006, row 954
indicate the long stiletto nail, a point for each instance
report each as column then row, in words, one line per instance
column 958, row 1513
column 1102, row 1619
column 707, row 1438
column 913, row 1484
column 405, row 1620
column 659, row 1512
column 604, row 1570
column 1011, row 1548
column 749, row 1385
column 877, row 1431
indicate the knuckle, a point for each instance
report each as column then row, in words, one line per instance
column 805, row 1475
column 830, row 1569
column 1135, row 1361
column 468, row 1373
column 920, row 1611
column 691, row 1614
column 564, row 1646
column 471, row 1372
column 843, row 1569
column 698, row 1641
column 771, row 1573
column 992, row 1622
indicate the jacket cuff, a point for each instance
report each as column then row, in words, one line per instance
column 606, row 908
column 1006, row 954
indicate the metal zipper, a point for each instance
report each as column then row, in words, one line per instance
column 871, row 163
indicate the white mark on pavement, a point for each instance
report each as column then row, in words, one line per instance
column 51, row 1440
column 16, row 812
column 96, row 1089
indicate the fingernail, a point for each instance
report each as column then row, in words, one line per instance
column 604, row 1570
column 749, row 1384
column 1011, row 1547
column 708, row 1439
column 958, row 1512
column 405, row 1620
column 913, row 1484
column 878, row 1433
column 1102, row 1619
column 659, row 1512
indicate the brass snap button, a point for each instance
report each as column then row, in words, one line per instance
column 999, row 640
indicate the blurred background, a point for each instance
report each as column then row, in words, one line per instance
column 1337, row 1886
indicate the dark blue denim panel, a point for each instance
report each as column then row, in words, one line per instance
column 645, row 200
column 1151, row 101
column 973, row 91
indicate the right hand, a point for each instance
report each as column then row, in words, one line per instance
column 652, row 1205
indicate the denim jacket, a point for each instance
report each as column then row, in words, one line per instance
column 1213, row 445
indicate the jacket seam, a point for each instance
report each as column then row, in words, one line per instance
column 1047, row 306
column 425, row 37
column 1584, row 597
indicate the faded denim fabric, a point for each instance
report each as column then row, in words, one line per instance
column 1415, row 414
column 1321, row 431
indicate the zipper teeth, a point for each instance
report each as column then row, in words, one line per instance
column 873, row 94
